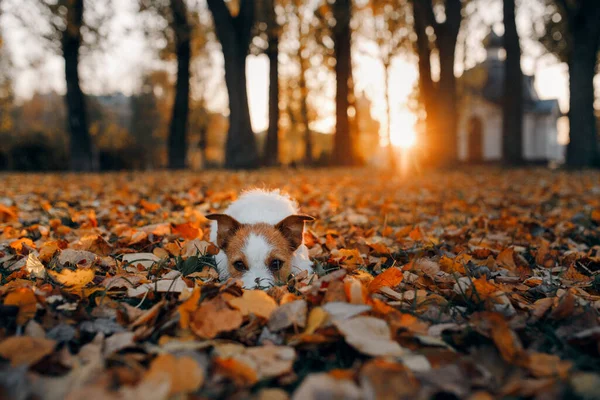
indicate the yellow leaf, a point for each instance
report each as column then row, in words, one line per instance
column 316, row 318
column 25, row 299
column 254, row 302
column 185, row 374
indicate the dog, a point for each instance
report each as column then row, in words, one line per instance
column 260, row 239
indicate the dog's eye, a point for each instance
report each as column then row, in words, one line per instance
column 276, row 265
column 240, row 266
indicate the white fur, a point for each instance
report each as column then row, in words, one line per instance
column 257, row 250
column 256, row 206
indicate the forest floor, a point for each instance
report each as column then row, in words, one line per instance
column 474, row 284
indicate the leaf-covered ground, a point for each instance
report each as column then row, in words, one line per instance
column 474, row 284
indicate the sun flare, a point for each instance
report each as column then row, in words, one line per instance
column 403, row 132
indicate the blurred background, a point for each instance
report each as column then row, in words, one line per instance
column 91, row 85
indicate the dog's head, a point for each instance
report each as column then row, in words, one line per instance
column 259, row 254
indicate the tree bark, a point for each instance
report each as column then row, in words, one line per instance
column 234, row 33
column 342, row 149
column 426, row 86
column 271, row 150
column 82, row 154
column 447, row 35
column 439, row 100
column 512, row 102
column 177, row 152
column 582, row 150
column 308, row 145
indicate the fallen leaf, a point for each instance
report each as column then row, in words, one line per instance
column 369, row 335
column 187, row 231
column 391, row 277
column 187, row 309
column 25, row 299
column 35, row 268
column 289, row 314
column 213, row 317
column 25, row 350
column 184, row 373
column 316, row 318
column 254, row 302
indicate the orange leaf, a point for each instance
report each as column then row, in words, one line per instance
column 348, row 258
column 239, row 372
column 506, row 259
column 150, row 207
column 254, row 302
column 187, row 308
column 213, row 317
column 416, row 234
column 184, row 373
column 187, row 231
column 17, row 245
column 7, row 213
column 545, row 365
column 390, row 277
column 25, row 350
column 379, row 248
column 25, row 299
column 451, row 266
column 484, row 288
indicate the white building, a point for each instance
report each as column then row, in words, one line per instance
column 480, row 122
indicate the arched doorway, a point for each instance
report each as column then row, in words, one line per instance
column 475, row 143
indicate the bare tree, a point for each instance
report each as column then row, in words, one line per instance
column 512, row 102
column 439, row 98
column 343, row 152
column 235, row 35
column 61, row 25
column 178, row 38
column 573, row 34
column 273, row 32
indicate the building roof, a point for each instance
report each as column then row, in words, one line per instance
column 487, row 80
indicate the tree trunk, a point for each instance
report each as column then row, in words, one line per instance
column 235, row 36
column 179, row 117
column 439, row 101
column 271, row 150
column 342, row 148
column 447, row 35
column 582, row 150
column 390, row 146
column 82, row 154
column 308, row 146
column 426, row 87
column 512, row 102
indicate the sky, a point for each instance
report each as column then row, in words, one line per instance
column 120, row 70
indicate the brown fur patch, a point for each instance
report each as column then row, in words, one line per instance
column 282, row 249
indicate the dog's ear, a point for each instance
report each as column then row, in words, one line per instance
column 292, row 228
column 226, row 227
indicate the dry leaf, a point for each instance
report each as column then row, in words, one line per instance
column 369, row 335
column 254, row 302
column 391, row 277
column 184, row 373
column 213, row 317
column 289, row 314
column 25, row 350
column 25, row 299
